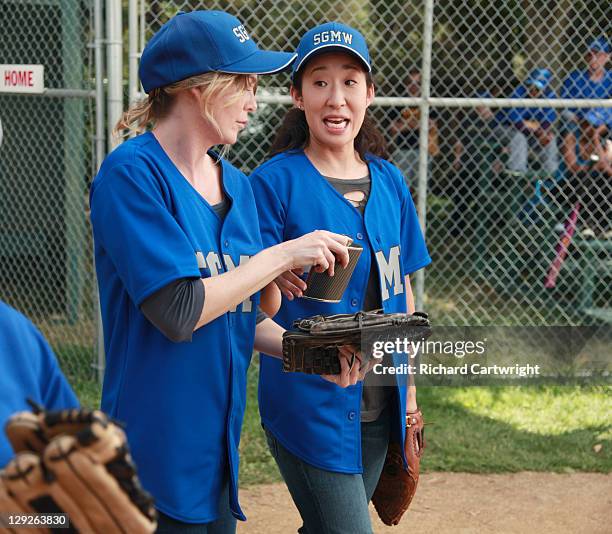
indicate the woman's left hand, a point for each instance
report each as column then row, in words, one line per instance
column 350, row 361
column 290, row 283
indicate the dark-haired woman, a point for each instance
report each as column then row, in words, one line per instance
column 328, row 172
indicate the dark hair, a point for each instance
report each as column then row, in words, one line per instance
column 294, row 133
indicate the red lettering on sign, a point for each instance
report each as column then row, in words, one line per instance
column 23, row 78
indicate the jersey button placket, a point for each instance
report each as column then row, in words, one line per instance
column 351, row 415
column 359, row 236
column 354, row 303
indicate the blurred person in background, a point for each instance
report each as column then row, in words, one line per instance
column 587, row 158
column 28, row 369
column 533, row 143
column 593, row 82
column 405, row 129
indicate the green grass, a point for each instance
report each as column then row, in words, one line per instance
column 509, row 428
column 88, row 392
column 256, row 464
column 484, row 430
column 474, row 429
column 76, row 363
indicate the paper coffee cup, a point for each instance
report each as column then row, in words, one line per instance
column 325, row 288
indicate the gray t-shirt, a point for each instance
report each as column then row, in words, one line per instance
column 375, row 397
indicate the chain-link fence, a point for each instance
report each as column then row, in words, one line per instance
column 504, row 182
column 45, row 168
column 496, row 182
column 501, row 182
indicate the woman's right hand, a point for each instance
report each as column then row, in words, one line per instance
column 319, row 250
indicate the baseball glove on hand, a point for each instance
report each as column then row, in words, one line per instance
column 396, row 485
column 75, row 462
column 313, row 347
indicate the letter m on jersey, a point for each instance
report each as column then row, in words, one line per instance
column 390, row 272
column 212, row 262
column 247, row 305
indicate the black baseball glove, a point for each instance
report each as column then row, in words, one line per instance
column 312, row 347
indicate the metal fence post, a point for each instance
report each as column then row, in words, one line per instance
column 423, row 140
column 74, row 158
column 100, row 152
column 133, row 54
column 115, row 65
column 99, row 70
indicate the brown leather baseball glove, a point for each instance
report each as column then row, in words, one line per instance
column 397, row 486
column 75, row 462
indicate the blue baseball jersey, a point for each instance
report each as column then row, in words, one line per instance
column 516, row 115
column 183, row 403
column 28, row 369
column 579, row 85
column 316, row 420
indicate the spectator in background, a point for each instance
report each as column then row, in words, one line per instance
column 587, row 157
column 478, row 133
column 405, row 131
column 595, row 81
column 531, row 129
column 28, row 368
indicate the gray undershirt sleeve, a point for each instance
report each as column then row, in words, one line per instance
column 175, row 308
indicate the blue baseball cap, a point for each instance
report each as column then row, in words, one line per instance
column 596, row 116
column 330, row 37
column 601, row 44
column 539, row 78
column 204, row 41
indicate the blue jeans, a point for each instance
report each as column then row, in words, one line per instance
column 224, row 524
column 335, row 503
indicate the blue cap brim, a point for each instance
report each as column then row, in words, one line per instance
column 536, row 83
column 331, row 48
column 261, row 62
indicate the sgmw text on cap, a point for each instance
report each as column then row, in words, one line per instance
column 330, row 37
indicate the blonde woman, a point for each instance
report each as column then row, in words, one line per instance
column 180, row 266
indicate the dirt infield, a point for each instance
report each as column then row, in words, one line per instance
column 465, row 503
